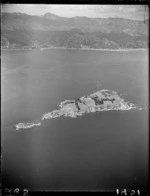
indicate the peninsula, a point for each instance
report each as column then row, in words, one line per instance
column 103, row 100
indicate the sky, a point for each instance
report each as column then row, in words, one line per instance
column 135, row 12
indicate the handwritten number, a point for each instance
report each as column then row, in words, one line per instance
column 132, row 192
column 124, row 192
column 25, row 192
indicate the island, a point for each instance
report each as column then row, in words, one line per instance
column 27, row 125
column 103, row 100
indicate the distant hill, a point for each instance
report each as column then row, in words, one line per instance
column 20, row 30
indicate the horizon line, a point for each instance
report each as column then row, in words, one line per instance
column 72, row 16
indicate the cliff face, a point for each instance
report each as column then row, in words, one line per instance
column 76, row 32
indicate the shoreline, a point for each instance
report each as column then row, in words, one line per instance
column 95, row 49
column 26, row 126
column 103, row 100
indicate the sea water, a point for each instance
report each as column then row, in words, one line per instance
column 98, row 151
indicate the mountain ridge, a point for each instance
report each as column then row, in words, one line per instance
column 50, row 29
column 55, row 15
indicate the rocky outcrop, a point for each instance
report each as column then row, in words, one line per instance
column 27, row 125
column 100, row 101
column 103, row 100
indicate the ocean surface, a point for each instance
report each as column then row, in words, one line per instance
column 97, row 151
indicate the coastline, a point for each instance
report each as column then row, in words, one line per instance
column 94, row 49
column 103, row 100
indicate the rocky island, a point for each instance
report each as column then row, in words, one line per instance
column 102, row 100
column 27, row 125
